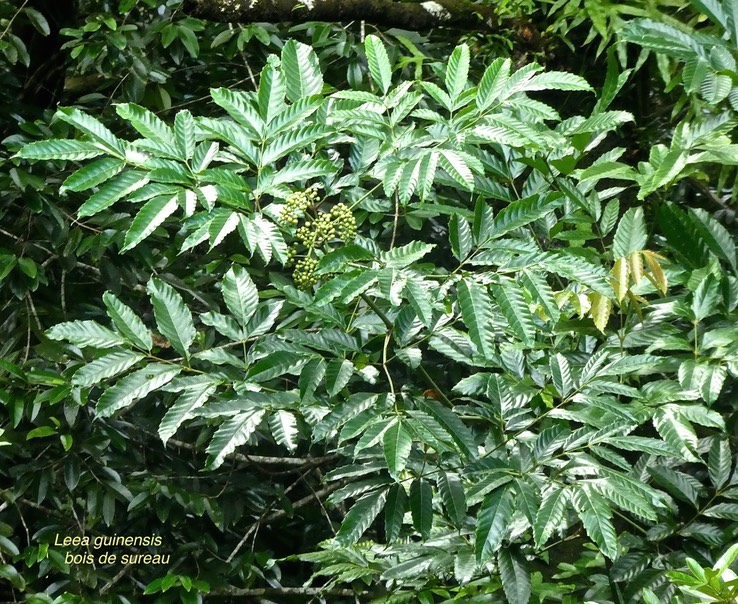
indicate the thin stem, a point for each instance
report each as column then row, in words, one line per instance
column 10, row 23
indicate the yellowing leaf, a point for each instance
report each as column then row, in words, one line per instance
column 600, row 310
column 656, row 276
column 635, row 263
column 620, row 284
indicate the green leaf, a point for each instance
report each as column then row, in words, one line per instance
column 427, row 174
column 127, row 322
column 106, row 366
column 147, row 123
column 274, row 365
column 670, row 167
column 678, row 432
column 726, row 511
column 682, row 486
column 99, row 134
column 8, row 546
column 493, row 523
column 460, row 237
column 38, row 21
column 394, row 511
column 726, row 559
column 438, row 95
column 659, row 37
column 184, row 134
column 644, row 444
column 184, row 408
column 705, row 298
column 623, row 496
column 85, row 333
column 557, row 80
column 417, row 293
column 561, row 375
column 360, row 517
column 292, row 140
column 40, row 432
column 301, row 70
column 337, row 375
column 93, row 174
column 149, row 217
column 494, row 79
column 476, row 311
column 240, row 294
column 379, row 65
column 714, row 235
column 283, row 425
column 608, row 169
column 541, row 291
column 405, row 255
column 113, row 190
column 233, row 433
column 457, row 71
column 596, row 516
column 310, row 376
column 239, row 107
column 59, row 149
column 550, row 515
column 304, row 170
column 134, row 387
column 631, row 234
column 222, row 225
column 451, row 423
column 516, row 311
column 465, row 565
column 457, row 168
column 453, row 497
column 719, row 462
column 521, row 213
column 223, row 324
column 731, row 13
column 408, row 180
column 515, row 576
column 528, row 498
column 421, row 506
column 397, row 444
column 271, row 92
column 172, row 316
column 577, row 269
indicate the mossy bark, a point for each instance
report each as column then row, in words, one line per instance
column 416, row 16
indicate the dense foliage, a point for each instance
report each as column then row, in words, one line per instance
column 335, row 314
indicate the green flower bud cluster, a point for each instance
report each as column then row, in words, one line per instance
column 304, row 275
column 291, row 256
column 338, row 223
column 344, row 221
column 316, row 233
column 296, row 205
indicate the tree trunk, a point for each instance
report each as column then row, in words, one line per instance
column 460, row 14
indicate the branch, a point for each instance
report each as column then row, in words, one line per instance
column 282, row 513
column 253, row 459
column 416, row 16
column 283, row 591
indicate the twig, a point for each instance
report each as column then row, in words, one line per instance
column 18, row 12
column 137, row 287
column 105, row 588
column 377, row 310
column 9, row 234
column 283, row 591
column 281, row 513
column 266, row 460
column 432, row 384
